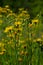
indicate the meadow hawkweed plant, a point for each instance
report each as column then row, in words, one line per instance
column 21, row 42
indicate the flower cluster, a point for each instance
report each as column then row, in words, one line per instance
column 19, row 39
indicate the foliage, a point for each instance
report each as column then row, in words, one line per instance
column 21, row 42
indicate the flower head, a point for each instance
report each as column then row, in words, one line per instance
column 7, row 6
column 8, row 28
column 17, row 23
column 35, row 21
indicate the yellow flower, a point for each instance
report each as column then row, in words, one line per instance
column 35, row 21
column 8, row 10
column 2, row 49
column 20, row 29
column 7, row 6
column 8, row 28
column 4, row 10
column 30, row 25
column 1, row 9
column 21, row 9
column 1, row 44
column 24, row 11
column 17, row 23
column 1, row 53
column 0, row 15
column 39, row 39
